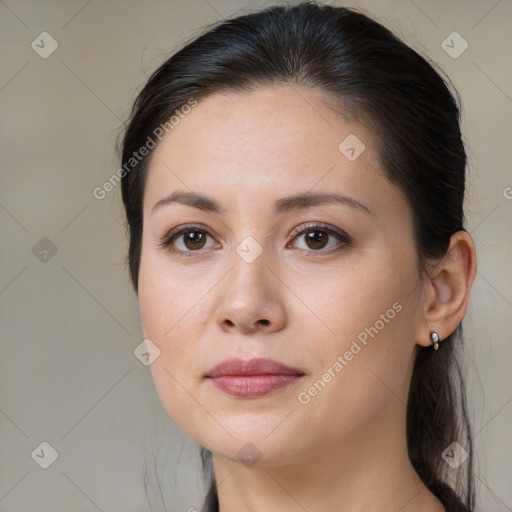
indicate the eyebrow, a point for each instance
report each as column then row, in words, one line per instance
column 284, row 205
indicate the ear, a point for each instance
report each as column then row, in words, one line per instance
column 447, row 289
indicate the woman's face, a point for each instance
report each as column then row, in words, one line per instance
column 327, row 288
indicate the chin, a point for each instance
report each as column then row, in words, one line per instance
column 254, row 442
column 257, row 452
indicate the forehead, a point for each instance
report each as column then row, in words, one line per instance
column 254, row 147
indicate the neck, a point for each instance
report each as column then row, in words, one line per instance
column 370, row 471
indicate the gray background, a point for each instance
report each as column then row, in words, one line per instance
column 69, row 320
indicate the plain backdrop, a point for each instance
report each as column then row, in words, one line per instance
column 69, row 320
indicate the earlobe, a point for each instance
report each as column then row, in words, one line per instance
column 450, row 283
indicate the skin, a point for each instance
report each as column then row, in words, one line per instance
column 345, row 450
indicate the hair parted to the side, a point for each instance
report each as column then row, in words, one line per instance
column 409, row 108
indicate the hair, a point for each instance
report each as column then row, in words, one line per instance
column 372, row 76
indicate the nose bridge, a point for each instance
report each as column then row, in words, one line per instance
column 249, row 278
column 251, row 297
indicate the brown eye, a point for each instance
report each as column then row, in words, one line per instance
column 194, row 240
column 321, row 238
column 316, row 239
column 187, row 240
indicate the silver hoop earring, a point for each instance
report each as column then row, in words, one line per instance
column 434, row 337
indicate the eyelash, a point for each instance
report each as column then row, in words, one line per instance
column 345, row 239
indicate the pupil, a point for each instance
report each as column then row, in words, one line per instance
column 316, row 238
column 194, row 237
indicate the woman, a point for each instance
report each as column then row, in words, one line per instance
column 294, row 184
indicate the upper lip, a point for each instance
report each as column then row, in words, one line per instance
column 252, row 367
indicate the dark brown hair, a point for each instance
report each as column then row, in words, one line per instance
column 415, row 118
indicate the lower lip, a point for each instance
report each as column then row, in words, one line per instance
column 248, row 386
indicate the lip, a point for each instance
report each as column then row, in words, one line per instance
column 252, row 378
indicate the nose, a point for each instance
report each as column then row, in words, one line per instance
column 251, row 298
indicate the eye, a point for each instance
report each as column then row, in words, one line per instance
column 317, row 237
column 186, row 240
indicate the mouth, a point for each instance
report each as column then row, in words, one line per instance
column 252, row 378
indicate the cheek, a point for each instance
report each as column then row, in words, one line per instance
column 174, row 319
column 171, row 298
column 364, row 376
column 364, row 299
column 366, row 363
column 172, row 312
column 174, row 371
